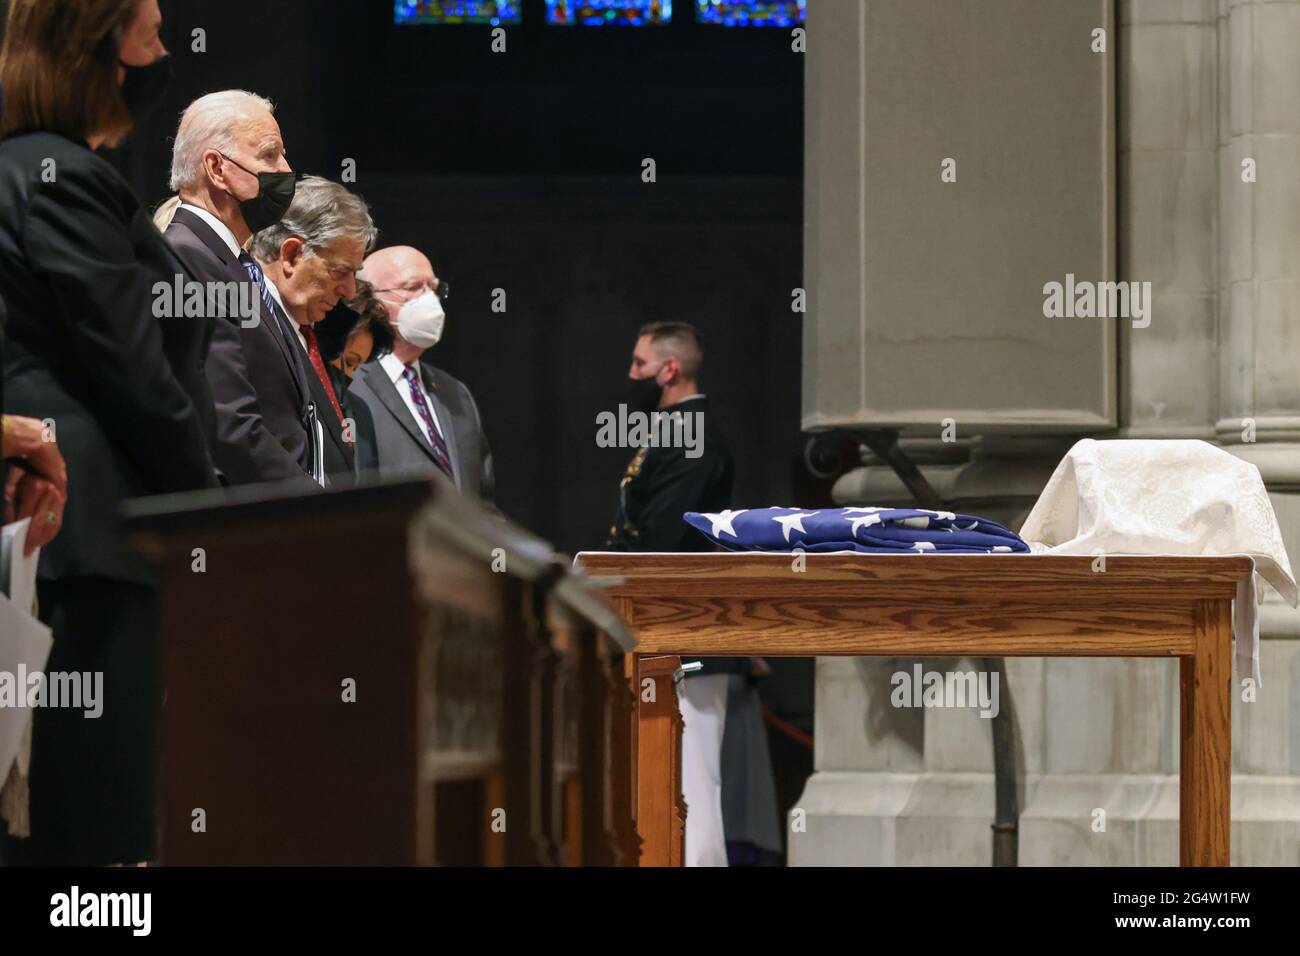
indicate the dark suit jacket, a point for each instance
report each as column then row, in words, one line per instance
column 79, row 260
column 659, row 486
column 662, row 484
column 402, row 447
column 363, row 430
column 4, row 320
column 258, row 383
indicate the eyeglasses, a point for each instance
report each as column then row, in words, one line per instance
column 339, row 273
column 439, row 287
column 236, row 162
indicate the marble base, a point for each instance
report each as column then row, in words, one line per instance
column 854, row 818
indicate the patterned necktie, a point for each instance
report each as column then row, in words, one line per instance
column 318, row 363
column 440, row 453
column 255, row 273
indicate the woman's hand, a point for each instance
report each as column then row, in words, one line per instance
column 27, row 495
column 25, row 439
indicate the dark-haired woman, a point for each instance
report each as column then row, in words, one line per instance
column 350, row 336
column 79, row 260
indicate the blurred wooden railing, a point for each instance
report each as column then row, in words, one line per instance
column 390, row 674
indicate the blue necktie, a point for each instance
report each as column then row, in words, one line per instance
column 255, row 273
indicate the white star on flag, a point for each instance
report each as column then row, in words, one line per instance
column 722, row 522
column 866, row 521
column 943, row 514
column 923, row 545
column 794, row 521
column 863, row 511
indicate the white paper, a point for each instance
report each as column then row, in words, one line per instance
column 18, row 573
column 24, row 648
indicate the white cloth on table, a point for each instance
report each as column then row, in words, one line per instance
column 703, row 702
column 1169, row 496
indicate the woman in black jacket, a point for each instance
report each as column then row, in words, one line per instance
column 32, row 469
column 79, row 263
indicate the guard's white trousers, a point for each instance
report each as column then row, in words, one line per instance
column 703, row 702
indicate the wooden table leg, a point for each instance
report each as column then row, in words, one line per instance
column 625, row 763
column 660, row 816
column 1205, row 775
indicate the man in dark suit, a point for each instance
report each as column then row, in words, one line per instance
column 311, row 258
column 425, row 419
column 225, row 143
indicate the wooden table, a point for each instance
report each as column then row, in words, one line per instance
column 931, row 605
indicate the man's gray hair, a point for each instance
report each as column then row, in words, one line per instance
column 321, row 212
column 214, row 121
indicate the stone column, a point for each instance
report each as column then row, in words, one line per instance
column 1259, row 381
column 1200, row 86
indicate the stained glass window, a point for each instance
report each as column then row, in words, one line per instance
column 751, row 13
column 495, row 12
column 630, row 13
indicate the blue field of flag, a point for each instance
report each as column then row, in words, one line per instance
column 870, row 530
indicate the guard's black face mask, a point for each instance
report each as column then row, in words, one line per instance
column 644, row 394
column 275, row 193
column 144, row 86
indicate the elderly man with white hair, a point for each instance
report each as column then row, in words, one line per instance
column 425, row 420
column 231, row 176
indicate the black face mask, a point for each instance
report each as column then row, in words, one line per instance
column 144, row 86
column 275, row 193
column 644, row 394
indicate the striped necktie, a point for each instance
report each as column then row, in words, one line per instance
column 255, row 273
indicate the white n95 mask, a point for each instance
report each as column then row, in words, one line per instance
column 420, row 321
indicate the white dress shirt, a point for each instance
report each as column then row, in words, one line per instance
column 393, row 366
column 219, row 227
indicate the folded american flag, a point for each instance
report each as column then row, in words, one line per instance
column 871, row 530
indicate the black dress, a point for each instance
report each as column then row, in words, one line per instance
column 80, row 265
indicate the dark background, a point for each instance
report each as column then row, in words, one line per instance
column 522, row 171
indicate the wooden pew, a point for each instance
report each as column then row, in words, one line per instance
column 389, row 674
column 729, row 604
